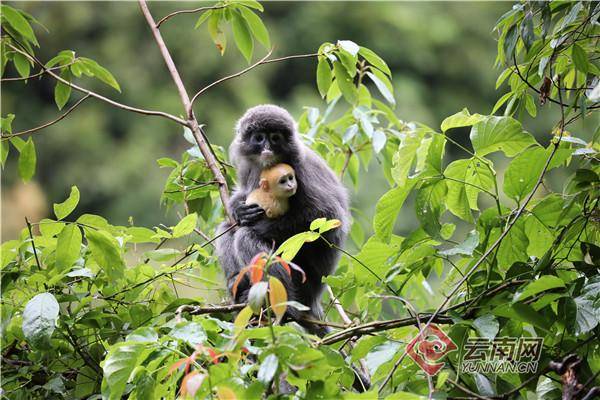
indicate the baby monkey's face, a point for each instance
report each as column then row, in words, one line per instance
column 286, row 185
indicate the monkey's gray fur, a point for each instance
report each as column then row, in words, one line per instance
column 267, row 135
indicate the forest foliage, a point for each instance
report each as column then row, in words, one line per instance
column 87, row 312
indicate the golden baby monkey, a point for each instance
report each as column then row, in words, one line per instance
column 277, row 184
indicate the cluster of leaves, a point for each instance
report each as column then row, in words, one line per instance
column 245, row 24
column 90, row 308
column 17, row 46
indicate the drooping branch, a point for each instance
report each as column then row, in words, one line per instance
column 96, row 95
column 47, row 124
column 191, row 122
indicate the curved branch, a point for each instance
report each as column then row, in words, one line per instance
column 47, row 124
column 225, row 78
column 195, row 10
column 96, row 95
column 262, row 61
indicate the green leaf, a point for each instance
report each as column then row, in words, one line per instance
column 374, row 60
column 62, row 58
column 541, row 284
column 387, row 209
column 18, row 22
column 256, row 26
column 105, row 251
column 324, row 76
column 460, row 119
column 291, row 246
column 379, row 139
column 478, row 177
column 119, row 364
column 6, row 123
column 500, row 134
column 62, row 91
column 514, row 246
column 65, row 208
column 383, row 87
column 68, row 247
column 457, row 200
column 189, row 332
column 100, row 72
column 22, row 65
column 3, row 152
column 203, row 17
column 27, row 161
column 242, row 36
column 429, row 206
column 587, row 317
column 216, row 33
column 580, row 59
column 39, row 319
column 523, row 172
column 267, row 369
column 405, row 156
column 186, row 225
column 465, row 248
column 345, row 82
column 487, row 326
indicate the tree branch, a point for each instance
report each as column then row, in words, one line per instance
column 96, row 95
column 47, row 124
column 262, row 61
column 195, row 10
column 225, row 78
column 191, row 122
column 378, row 326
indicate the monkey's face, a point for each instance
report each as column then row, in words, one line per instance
column 286, row 185
column 266, row 148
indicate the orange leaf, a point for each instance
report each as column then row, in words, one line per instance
column 176, row 365
column 238, row 279
column 224, row 393
column 277, row 296
column 257, row 266
column 284, row 265
column 213, row 355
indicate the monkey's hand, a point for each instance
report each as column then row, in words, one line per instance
column 247, row 214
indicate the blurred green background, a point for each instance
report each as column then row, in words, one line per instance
column 442, row 56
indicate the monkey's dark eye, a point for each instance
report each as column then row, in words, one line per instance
column 276, row 137
column 259, row 137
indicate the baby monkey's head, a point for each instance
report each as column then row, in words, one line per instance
column 280, row 180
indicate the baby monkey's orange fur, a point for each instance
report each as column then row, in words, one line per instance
column 277, row 185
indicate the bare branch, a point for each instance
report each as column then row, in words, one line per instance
column 225, row 78
column 191, row 122
column 96, row 95
column 262, row 61
column 378, row 326
column 195, row 10
column 47, row 124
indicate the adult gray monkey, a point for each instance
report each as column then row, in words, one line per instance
column 267, row 135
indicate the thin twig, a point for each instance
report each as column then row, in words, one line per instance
column 96, row 95
column 195, row 10
column 466, row 390
column 42, row 72
column 225, row 78
column 37, row 260
column 47, row 124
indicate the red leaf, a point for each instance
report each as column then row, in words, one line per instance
column 238, row 279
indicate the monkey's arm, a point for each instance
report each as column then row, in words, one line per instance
column 244, row 214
